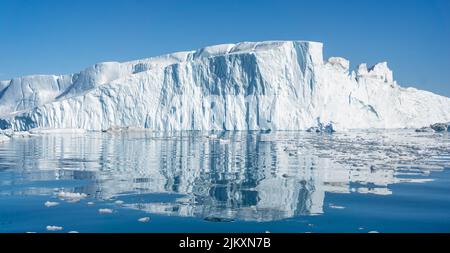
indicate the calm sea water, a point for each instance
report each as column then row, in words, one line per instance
column 384, row 181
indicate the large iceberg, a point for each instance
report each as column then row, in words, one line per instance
column 272, row 85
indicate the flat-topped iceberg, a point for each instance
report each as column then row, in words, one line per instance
column 272, row 85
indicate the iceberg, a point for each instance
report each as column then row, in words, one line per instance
column 270, row 85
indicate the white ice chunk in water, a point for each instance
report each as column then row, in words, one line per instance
column 50, row 203
column 105, row 211
column 71, row 196
column 144, row 219
column 54, row 228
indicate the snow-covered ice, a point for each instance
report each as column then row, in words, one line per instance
column 50, row 203
column 276, row 85
column 54, row 228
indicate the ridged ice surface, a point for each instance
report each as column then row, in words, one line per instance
column 277, row 85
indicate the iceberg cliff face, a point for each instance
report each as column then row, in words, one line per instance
column 277, row 85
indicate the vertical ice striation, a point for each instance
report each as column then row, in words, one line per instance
column 276, row 85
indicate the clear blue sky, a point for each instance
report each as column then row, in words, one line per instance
column 65, row 36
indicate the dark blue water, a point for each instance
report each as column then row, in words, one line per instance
column 383, row 181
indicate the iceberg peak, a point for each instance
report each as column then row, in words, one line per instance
column 379, row 71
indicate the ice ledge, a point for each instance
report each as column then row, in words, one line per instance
column 378, row 71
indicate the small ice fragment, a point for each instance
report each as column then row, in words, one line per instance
column 144, row 219
column 90, row 203
column 71, row 195
column 118, row 202
column 73, row 232
column 373, row 232
column 54, row 228
column 31, row 232
column 336, row 206
column 105, row 210
column 50, row 203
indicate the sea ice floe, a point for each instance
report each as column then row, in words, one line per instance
column 105, row 211
column 54, row 228
column 71, row 196
column 50, row 203
column 144, row 219
column 336, row 206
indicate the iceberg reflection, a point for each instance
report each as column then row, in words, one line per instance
column 253, row 176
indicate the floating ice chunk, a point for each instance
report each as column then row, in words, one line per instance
column 336, row 206
column 218, row 219
column 50, row 203
column 105, row 211
column 373, row 232
column 54, row 228
column 424, row 130
column 322, row 128
column 91, row 203
column 71, row 196
column 144, row 219
column 441, row 127
column 73, row 232
column 118, row 202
